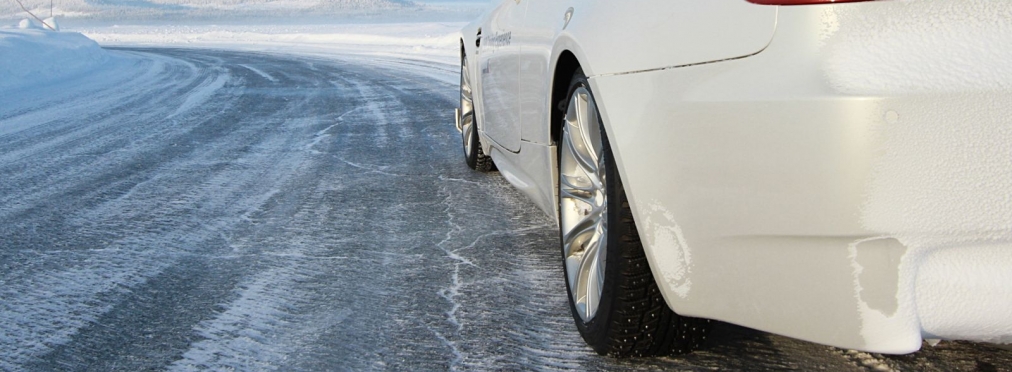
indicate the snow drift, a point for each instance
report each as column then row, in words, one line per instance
column 428, row 41
column 30, row 55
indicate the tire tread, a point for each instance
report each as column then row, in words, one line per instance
column 633, row 319
column 643, row 324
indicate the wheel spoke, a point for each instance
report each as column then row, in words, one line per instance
column 582, row 246
column 588, row 289
column 583, row 202
column 574, row 245
column 466, row 102
column 583, row 142
column 467, row 127
column 578, row 148
column 569, row 190
column 602, row 251
column 576, row 237
column 587, row 269
column 583, row 164
column 590, row 131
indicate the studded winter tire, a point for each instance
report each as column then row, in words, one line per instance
column 614, row 299
column 473, row 155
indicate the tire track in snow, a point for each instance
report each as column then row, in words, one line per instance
column 200, row 95
column 261, row 73
column 64, row 291
column 162, row 215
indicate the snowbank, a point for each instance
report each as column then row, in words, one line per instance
column 30, row 55
column 429, row 41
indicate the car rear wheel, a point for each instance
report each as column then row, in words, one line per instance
column 473, row 155
column 614, row 299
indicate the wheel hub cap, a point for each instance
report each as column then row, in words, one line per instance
column 583, row 203
column 466, row 109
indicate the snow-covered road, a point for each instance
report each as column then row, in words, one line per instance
column 195, row 209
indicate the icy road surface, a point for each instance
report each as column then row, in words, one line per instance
column 206, row 209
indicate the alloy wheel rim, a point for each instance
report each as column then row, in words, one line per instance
column 466, row 109
column 583, row 203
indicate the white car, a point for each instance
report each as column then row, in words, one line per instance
column 838, row 172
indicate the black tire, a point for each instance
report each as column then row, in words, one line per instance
column 473, row 154
column 478, row 160
column 632, row 318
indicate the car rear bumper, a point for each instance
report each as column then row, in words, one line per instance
column 849, row 185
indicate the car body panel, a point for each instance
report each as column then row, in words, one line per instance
column 845, row 182
column 675, row 32
column 671, row 29
column 498, row 66
column 529, row 171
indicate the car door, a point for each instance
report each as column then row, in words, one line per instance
column 543, row 20
column 498, row 63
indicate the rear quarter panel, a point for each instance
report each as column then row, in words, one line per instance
column 612, row 37
column 635, row 35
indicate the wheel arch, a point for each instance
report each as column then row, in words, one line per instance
column 568, row 60
column 565, row 66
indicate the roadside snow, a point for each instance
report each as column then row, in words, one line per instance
column 152, row 9
column 396, row 30
column 427, row 41
column 246, row 11
column 31, row 56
